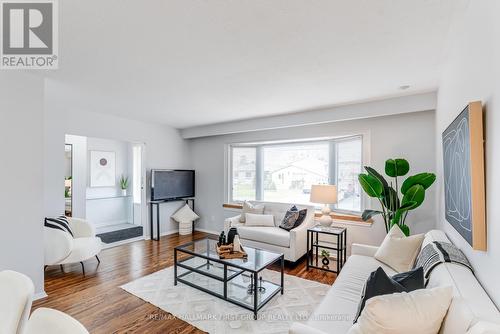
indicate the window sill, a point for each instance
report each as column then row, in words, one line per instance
column 337, row 217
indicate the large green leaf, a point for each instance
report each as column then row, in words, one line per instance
column 367, row 214
column 376, row 174
column 396, row 216
column 407, row 206
column 424, row 179
column 397, row 167
column 390, row 199
column 415, row 194
column 405, row 229
column 371, row 185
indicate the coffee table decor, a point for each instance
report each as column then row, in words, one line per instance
column 230, row 248
column 198, row 264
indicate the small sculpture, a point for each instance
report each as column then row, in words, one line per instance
column 231, row 234
column 237, row 244
column 222, row 239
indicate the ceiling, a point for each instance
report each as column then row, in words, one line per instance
column 194, row 62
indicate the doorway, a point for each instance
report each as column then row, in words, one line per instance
column 106, row 185
column 68, row 177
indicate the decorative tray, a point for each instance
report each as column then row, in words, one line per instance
column 226, row 252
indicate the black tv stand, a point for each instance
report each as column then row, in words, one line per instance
column 157, row 204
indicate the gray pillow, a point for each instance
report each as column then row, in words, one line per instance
column 290, row 219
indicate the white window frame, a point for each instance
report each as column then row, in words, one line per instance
column 258, row 162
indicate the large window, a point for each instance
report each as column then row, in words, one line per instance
column 284, row 172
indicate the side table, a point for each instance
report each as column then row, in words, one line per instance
column 314, row 244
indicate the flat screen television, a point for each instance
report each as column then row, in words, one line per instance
column 171, row 184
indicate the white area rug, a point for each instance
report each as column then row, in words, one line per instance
column 214, row 315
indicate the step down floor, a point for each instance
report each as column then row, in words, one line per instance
column 115, row 233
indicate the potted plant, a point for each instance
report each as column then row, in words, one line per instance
column 124, row 185
column 395, row 211
column 325, row 257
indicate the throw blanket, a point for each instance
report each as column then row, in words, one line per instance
column 438, row 252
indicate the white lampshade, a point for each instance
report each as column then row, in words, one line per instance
column 324, row 194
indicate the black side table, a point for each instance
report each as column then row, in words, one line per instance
column 314, row 244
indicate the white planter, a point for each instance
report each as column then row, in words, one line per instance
column 124, row 192
column 185, row 228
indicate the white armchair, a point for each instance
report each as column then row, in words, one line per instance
column 61, row 248
column 16, row 297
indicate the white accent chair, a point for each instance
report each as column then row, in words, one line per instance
column 292, row 244
column 16, row 297
column 61, row 248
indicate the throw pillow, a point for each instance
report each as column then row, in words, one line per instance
column 399, row 251
column 250, row 208
column 411, row 280
column 418, row 312
column 379, row 283
column 290, row 218
column 185, row 214
column 302, row 217
column 252, row 219
column 59, row 223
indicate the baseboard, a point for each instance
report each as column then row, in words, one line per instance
column 207, row 231
column 148, row 237
column 162, row 234
column 40, row 295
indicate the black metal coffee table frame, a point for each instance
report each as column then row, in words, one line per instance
column 231, row 270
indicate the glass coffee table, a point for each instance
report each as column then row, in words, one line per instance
column 238, row 281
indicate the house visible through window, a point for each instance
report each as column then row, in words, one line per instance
column 284, row 172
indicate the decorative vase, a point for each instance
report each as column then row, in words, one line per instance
column 325, row 223
column 325, row 261
column 124, row 192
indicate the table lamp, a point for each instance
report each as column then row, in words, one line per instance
column 324, row 194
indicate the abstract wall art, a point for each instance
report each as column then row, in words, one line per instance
column 463, row 163
column 102, row 169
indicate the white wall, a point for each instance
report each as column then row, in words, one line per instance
column 407, row 135
column 472, row 72
column 164, row 148
column 112, row 209
column 21, row 173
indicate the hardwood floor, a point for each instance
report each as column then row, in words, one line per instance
column 102, row 307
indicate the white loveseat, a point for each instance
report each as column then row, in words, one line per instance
column 471, row 310
column 292, row 244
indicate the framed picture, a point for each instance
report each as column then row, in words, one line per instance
column 102, row 169
column 463, row 157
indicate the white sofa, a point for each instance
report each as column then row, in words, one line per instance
column 471, row 310
column 292, row 244
column 16, row 297
column 60, row 248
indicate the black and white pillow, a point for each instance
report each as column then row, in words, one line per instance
column 293, row 218
column 290, row 218
column 302, row 216
column 59, row 223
